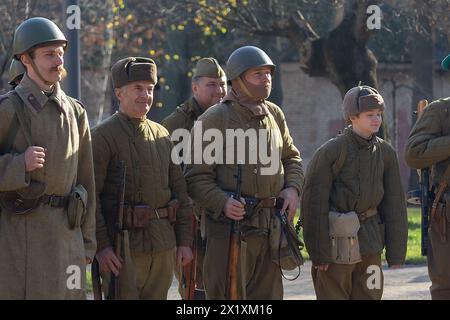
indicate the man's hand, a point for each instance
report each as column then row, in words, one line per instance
column 108, row 261
column 184, row 256
column 322, row 267
column 34, row 158
column 290, row 196
column 234, row 209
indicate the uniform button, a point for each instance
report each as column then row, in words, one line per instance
column 255, row 171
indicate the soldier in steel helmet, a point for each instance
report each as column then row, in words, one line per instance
column 209, row 86
column 47, row 218
column 245, row 108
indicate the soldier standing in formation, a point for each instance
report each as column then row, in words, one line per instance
column 152, row 181
column 245, row 107
column 429, row 146
column 209, row 86
column 47, row 218
column 353, row 205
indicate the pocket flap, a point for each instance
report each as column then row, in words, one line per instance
column 343, row 224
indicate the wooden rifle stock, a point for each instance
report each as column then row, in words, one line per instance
column 189, row 270
column 114, row 291
column 234, row 246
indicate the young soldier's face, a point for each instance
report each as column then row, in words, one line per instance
column 49, row 61
column 367, row 123
column 136, row 98
column 209, row 91
column 260, row 76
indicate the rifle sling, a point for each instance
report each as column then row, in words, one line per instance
column 442, row 186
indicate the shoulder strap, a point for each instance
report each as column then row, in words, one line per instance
column 339, row 163
column 23, row 120
column 6, row 145
column 19, row 120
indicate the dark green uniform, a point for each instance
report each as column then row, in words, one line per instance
column 349, row 173
column 184, row 116
column 429, row 146
column 152, row 179
column 260, row 275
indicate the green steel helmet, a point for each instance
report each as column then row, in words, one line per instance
column 245, row 58
column 35, row 31
column 16, row 71
column 446, row 63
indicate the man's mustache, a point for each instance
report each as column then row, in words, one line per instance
column 61, row 70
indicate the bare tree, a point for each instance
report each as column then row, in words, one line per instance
column 13, row 12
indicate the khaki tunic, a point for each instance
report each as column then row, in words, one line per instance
column 206, row 185
column 38, row 250
column 429, row 146
column 369, row 178
column 184, row 116
column 152, row 179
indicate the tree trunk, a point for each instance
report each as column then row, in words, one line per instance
column 343, row 55
column 106, row 61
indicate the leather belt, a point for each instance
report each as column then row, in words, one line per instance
column 367, row 214
column 160, row 213
column 267, row 202
column 55, row 201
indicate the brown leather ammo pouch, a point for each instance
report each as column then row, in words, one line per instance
column 23, row 200
column 139, row 216
column 172, row 208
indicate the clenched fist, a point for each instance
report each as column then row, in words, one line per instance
column 34, row 158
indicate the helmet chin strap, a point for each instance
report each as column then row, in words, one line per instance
column 245, row 89
column 33, row 65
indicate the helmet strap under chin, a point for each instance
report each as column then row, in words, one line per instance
column 36, row 70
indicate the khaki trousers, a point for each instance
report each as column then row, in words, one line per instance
column 360, row 281
column 260, row 277
column 144, row 276
column 439, row 263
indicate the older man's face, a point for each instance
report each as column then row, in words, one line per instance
column 136, row 98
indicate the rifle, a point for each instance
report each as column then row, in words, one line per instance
column 423, row 196
column 234, row 246
column 96, row 284
column 114, row 293
column 424, row 182
column 189, row 271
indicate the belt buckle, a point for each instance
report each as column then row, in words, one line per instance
column 50, row 200
column 157, row 214
column 274, row 202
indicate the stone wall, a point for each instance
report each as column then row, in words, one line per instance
column 313, row 107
